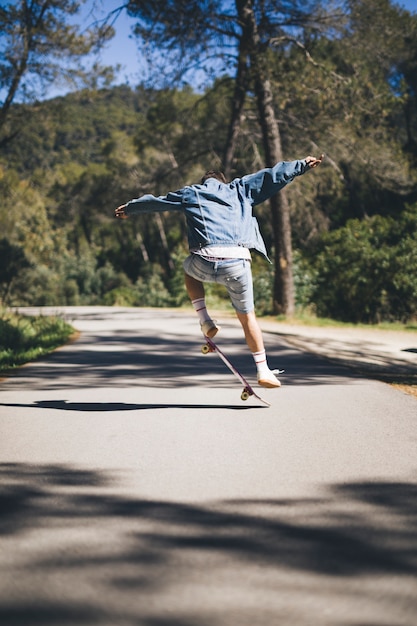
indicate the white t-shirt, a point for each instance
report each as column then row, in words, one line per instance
column 216, row 253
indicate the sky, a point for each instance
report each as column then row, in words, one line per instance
column 123, row 48
column 410, row 5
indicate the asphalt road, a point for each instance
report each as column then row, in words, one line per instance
column 137, row 489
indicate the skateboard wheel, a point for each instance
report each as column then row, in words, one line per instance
column 205, row 349
column 244, row 395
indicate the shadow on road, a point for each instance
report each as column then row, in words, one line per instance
column 140, row 547
column 64, row 405
column 131, row 359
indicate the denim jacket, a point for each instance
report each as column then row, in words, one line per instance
column 221, row 213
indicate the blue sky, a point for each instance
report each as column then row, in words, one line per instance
column 123, row 48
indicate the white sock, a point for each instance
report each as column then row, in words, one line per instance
column 200, row 308
column 261, row 362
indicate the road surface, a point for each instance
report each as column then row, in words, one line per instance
column 137, row 489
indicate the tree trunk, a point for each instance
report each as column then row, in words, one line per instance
column 164, row 241
column 283, row 296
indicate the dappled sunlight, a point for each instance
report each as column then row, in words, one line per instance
column 130, row 350
column 74, row 547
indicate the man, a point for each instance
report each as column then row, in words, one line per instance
column 221, row 232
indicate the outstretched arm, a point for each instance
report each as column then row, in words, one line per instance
column 267, row 182
column 150, row 204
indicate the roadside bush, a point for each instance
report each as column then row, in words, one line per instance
column 10, row 335
column 25, row 338
column 176, row 285
column 263, row 284
column 367, row 270
column 120, row 296
column 304, row 282
column 151, row 291
column 13, row 264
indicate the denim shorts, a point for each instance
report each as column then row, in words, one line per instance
column 234, row 274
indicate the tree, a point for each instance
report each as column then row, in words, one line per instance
column 350, row 99
column 214, row 34
column 12, row 263
column 39, row 46
column 367, row 270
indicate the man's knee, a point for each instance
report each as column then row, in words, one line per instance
column 246, row 318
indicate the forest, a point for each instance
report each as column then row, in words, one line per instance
column 311, row 78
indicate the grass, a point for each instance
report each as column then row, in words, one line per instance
column 26, row 338
column 304, row 317
column 409, row 389
column 307, row 319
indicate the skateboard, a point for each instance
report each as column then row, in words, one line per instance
column 210, row 346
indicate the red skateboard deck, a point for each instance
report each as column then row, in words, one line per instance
column 210, row 346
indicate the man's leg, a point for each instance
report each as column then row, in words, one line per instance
column 194, row 287
column 196, row 293
column 255, row 342
column 253, row 333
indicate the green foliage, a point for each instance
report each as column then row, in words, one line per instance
column 78, row 157
column 39, row 46
column 304, row 277
column 367, row 270
column 73, row 131
column 356, row 102
column 263, row 281
column 176, row 288
column 25, row 338
column 151, row 291
column 13, row 262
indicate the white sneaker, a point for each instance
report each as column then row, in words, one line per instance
column 210, row 328
column 268, row 379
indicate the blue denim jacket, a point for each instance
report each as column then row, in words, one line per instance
column 219, row 213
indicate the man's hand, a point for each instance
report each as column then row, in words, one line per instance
column 313, row 162
column 120, row 212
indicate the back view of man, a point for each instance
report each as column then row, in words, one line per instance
column 221, row 231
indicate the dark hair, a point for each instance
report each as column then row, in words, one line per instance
column 217, row 174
